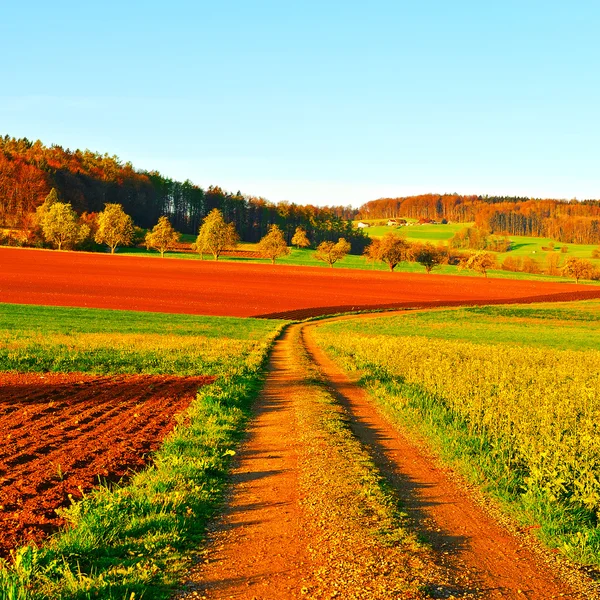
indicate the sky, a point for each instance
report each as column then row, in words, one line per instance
column 328, row 102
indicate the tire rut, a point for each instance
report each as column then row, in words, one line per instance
column 256, row 549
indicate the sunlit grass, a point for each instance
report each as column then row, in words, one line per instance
column 511, row 394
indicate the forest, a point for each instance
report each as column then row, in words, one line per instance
column 576, row 222
column 89, row 180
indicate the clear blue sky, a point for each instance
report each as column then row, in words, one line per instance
column 331, row 102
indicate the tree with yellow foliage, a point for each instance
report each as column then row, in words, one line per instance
column 163, row 236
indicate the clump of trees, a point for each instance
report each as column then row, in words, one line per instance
column 273, row 245
column 163, row 236
column 331, row 253
column 215, row 235
column 473, row 238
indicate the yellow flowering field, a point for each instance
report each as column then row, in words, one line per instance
column 532, row 409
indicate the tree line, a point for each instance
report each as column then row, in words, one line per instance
column 59, row 225
column 571, row 221
column 88, row 181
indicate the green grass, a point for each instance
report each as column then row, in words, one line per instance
column 20, row 318
column 420, row 233
column 304, row 258
column 573, row 326
column 37, row 338
column 531, row 247
column 137, row 540
column 537, row 248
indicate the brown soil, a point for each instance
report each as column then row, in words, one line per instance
column 62, row 433
column 245, row 289
column 259, row 549
column 184, row 248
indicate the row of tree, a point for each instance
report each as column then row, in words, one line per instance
column 392, row 249
column 60, row 226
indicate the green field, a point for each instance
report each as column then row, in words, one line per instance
column 533, row 247
column 419, row 233
column 510, row 395
column 304, row 258
column 38, row 338
column 568, row 325
column 136, row 540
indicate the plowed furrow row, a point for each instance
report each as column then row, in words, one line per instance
column 65, row 432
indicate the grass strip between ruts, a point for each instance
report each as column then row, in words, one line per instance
column 360, row 542
column 135, row 541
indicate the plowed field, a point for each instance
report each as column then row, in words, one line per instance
column 244, row 290
column 62, row 432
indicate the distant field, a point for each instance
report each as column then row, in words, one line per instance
column 510, row 394
column 43, row 338
column 537, row 249
column 416, row 232
column 522, row 246
column 94, row 280
column 561, row 325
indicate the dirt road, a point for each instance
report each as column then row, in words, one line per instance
column 259, row 550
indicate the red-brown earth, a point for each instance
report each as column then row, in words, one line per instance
column 245, row 290
column 61, row 433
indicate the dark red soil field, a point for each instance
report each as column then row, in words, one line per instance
column 62, row 432
column 241, row 289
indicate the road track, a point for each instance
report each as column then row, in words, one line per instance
column 258, row 549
